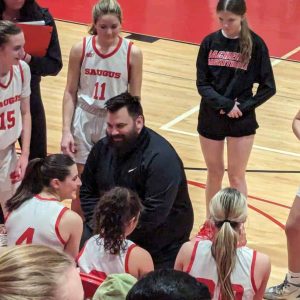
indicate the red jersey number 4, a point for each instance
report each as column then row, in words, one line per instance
column 26, row 237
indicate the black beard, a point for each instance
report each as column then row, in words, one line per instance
column 125, row 145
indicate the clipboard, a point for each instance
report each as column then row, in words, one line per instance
column 37, row 38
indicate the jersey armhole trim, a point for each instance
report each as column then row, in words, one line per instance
column 127, row 257
column 62, row 212
column 252, row 271
column 81, row 252
column 83, row 50
column 6, row 216
column 128, row 59
column 192, row 258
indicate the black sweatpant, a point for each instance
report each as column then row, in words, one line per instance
column 38, row 142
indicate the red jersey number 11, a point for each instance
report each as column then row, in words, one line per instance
column 100, row 91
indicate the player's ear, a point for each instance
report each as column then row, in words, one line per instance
column 55, row 183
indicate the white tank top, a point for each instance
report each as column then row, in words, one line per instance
column 103, row 76
column 36, row 221
column 202, row 266
column 93, row 259
column 13, row 87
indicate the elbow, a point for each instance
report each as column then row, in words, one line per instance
column 200, row 89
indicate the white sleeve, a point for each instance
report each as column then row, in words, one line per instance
column 27, row 77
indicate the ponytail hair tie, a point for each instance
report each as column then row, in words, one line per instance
column 219, row 224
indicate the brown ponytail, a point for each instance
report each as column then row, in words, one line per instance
column 246, row 42
column 114, row 211
column 38, row 175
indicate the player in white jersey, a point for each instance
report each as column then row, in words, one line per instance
column 230, row 272
column 109, row 252
column 35, row 214
column 101, row 67
column 290, row 287
column 15, row 119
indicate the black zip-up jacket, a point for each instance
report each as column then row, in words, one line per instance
column 153, row 169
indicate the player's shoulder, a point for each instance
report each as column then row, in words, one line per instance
column 258, row 41
column 72, row 218
column 23, row 64
column 212, row 37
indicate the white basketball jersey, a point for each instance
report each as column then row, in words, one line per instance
column 103, row 76
column 93, row 259
column 36, row 221
column 13, row 87
column 203, row 267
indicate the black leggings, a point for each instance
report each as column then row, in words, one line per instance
column 38, row 143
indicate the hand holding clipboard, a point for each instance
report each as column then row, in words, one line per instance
column 37, row 37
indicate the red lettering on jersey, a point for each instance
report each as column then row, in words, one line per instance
column 209, row 283
column 89, row 54
column 105, row 73
column 11, row 100
column 27, row 236
column 98, row 274
column 237, row 288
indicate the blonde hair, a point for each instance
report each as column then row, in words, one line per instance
column 105, row 7
column 238, row 7
column 228, row 210
column 32, row 272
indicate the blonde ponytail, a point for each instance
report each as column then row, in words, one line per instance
column 228, row 210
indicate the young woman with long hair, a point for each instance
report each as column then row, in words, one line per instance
column 15, row 119
column 230, row 61
column 35, row 214
column 231, row 272
column 101, row 66
column 50, row 64
column 108, row 251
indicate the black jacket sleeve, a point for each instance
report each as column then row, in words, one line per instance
column 265, row 79
column 161, row 188
column 51, row 63
column 205, row 89
column 89, row 193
